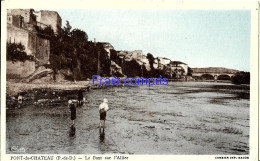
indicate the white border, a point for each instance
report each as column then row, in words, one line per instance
column 144, row 4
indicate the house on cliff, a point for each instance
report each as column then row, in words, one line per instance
column 177, row 66
column 160, row 62
column 108, row 47
column 48, row 18
column 22, row 27
column 136, row 55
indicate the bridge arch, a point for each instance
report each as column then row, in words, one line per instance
column 207, row 76
column 224, row 77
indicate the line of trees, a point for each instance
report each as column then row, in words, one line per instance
column 70, row 49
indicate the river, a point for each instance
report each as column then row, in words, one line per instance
column 179, row 118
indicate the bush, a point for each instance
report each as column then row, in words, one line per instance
column 241, row 78
column 15, row 52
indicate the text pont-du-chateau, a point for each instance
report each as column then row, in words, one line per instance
column 69, row 158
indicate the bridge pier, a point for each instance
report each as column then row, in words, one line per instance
column 215, row 78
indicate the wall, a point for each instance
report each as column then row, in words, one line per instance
column 26, row 13
column 185, row 67
column 108, row 47
column 50, row 18
column 155, row 63
column 15, row 20
column 34, row 45
column 137, row 54
column 19, row 69
column 164, row 61
column 18, row 35
column 40, row 47
column 146, row 63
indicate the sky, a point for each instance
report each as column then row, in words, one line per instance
column 199, row 38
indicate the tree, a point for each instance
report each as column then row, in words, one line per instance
column 16, row 52
column 241, row 78
column 151, row 60
column 70, row 49
column 132, row 68
column 189, row 73
column 66, row 29
column 79, row 36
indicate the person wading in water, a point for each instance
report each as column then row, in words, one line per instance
column 80, row 98
column 72, row 117
column 103, row 108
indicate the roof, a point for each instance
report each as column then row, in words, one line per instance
column 177, row 62
column 163, row 58
column 107, row 44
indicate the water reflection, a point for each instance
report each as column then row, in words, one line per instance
column 102, row 145
column 72, row 131
column 102, row 137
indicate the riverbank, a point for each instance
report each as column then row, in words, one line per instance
column 13, row 88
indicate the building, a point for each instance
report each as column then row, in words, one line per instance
column 130, row 55
column 179, row 66
column 136, row 54
column 146, row 63
column 122, row 54
column 115, row 69
column 107, row 46
column 164, row 61
column 160, row 62
column 48, row 18
column 27, row 14
column 22, row 28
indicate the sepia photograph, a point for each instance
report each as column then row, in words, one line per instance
column 128, row 81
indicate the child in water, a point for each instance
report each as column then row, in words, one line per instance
column 72, row 112
column 103, row 108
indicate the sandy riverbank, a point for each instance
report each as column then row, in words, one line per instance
column 13, row 88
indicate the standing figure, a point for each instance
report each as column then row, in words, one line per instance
column 103, row 108
column 72, row 112
column 80, row 97
column 20, row 100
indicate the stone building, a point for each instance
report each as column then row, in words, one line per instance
column 130, row 55
column 107, row 46
column 179, row 66
column 21, row 28
column 160, row 62
column 115, row 69
column 135, row 55
column 122, row 54
column 146, row 63
column 27, row 14
column 48, row 18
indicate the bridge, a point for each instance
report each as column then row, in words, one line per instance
column 213, row 73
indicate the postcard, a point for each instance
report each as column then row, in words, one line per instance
column 129, row 80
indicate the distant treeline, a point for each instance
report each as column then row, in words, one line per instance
column 241, row 78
